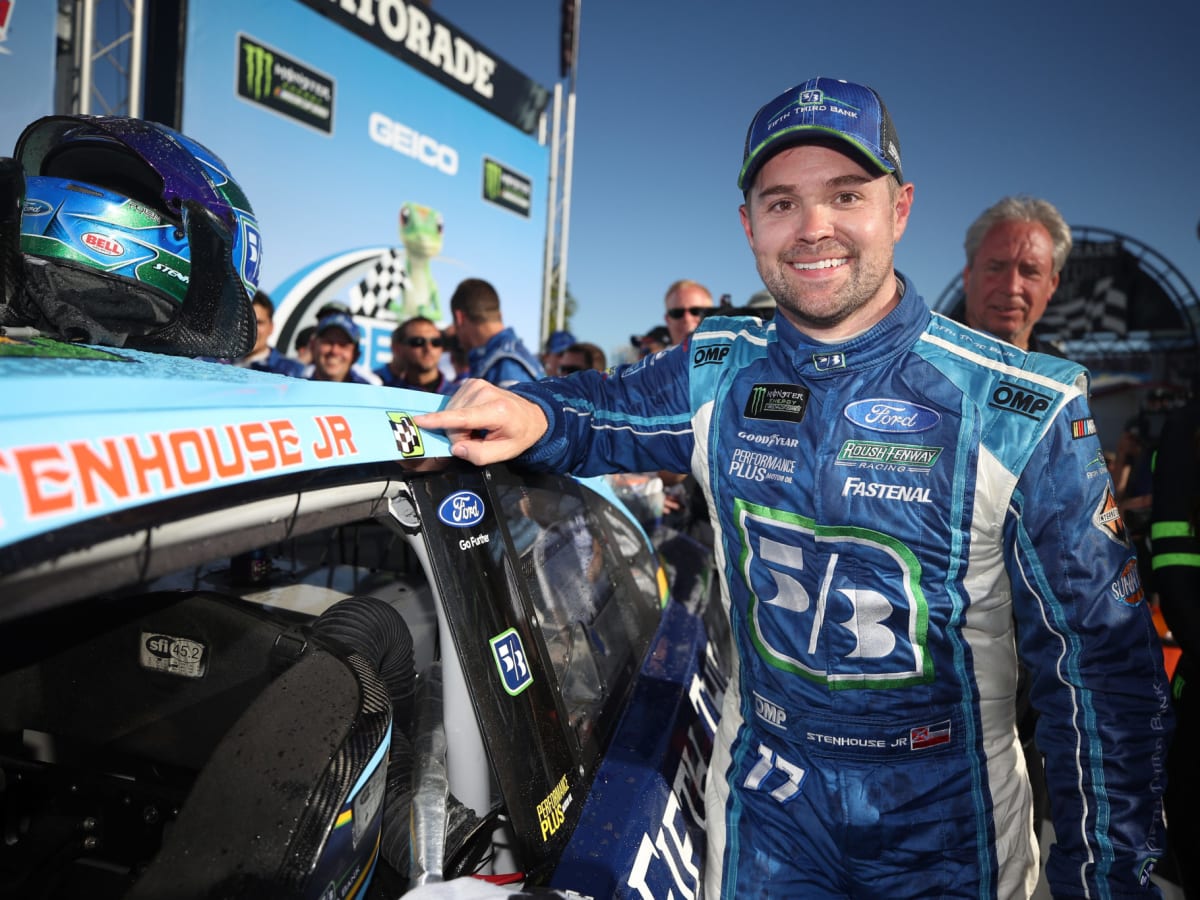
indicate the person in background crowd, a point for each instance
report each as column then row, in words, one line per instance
column 1174, row 530
column 685, row 508
column 657, row 338
column 1016, row 251
column 265, row 358
column 556, row 346
column 302, row 346
column 687, row 303
column 335, row 350
column 494, row 352
column 455, row 365
column 581, row 357
column 868, row 744
column 416, row 354
column 761, row 300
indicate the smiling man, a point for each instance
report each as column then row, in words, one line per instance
column 1016, row 250
column 335, row 349
column 888, row 490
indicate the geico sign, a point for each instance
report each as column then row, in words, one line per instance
column 420, row 147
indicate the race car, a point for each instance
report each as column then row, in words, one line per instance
column 264, row 637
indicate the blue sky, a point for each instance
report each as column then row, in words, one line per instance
column 1095, row 107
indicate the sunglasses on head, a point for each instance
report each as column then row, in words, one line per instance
column 681, row 311
column 421, row 341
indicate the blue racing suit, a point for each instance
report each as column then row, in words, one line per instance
column 886, row 510
column 504, row 360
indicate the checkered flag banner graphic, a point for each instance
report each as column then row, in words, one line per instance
column 384, row 284
column 407, row 435
column 1103, row 312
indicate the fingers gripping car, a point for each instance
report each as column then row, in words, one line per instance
column 263, row 637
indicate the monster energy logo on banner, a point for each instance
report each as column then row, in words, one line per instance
column 259, row 61
column 781, row 402
column 506, row 187
column 272, row 79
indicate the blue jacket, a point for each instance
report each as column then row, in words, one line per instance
column 504, row 360
column 884, row 509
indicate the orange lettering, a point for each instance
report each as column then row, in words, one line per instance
column 339, row 429
column 226, row 469
column 143, row 465
column 44, row 480
column 286, row 437
column 260, row 450
column 95, row 469
column 193, row 468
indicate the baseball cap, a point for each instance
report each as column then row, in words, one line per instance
column 822, row 108
column 339, row 320
column 658, row 333
column 559, row 341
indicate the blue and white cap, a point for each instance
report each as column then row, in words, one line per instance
column 823, row 108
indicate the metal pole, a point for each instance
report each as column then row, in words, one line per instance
column 568, row 168
column 87, row 39
column 551, row 216
column 566, row 216
column 135, row 59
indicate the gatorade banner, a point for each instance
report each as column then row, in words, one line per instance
column 386, row 159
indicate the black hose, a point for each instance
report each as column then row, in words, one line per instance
column 377, row 631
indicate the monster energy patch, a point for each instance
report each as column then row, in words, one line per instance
column 284, row 85
column 781, row 402
column 507, row 188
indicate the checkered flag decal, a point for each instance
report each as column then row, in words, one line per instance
column 407, row 435
column 1104, row 312
column 385, row 284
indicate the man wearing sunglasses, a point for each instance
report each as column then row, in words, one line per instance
column 687, row 303
column 416, row 351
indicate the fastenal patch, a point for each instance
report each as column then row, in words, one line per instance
column 1107, row 518
column 781, row 402
column 407, row 435
column 1081, row 428
column 511, row 662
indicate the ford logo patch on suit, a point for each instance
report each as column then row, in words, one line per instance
column 893, row 416
column 462, row 509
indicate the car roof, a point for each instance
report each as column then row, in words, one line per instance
column 88, row 432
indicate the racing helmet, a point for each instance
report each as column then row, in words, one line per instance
column 133, row 234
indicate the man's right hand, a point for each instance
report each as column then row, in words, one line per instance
column 487, row 424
